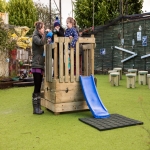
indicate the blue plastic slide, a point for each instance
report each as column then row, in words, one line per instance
column 92, row 98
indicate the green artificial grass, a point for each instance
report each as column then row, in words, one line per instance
column 21, row 130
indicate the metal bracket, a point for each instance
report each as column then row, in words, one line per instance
column 52, row 90
column 127, row 51
column 144, row 56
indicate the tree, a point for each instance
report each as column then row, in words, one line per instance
column 2, row 6
column 104, row 10
column 43, row 13
column 22, row 13
column 7, row 43
column 133, row 6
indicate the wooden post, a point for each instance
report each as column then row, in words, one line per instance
column 77, row 61
column 114, row 79
column 72, row 64
column 46, row 63
column 61, row 61
column 92, row 57
column 49, row 62
column 66, row 58
column 86, row 63
column 55, row 58
column 148, row 80
column 89, row 62
column 130, row 80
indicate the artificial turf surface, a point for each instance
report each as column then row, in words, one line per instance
column 21, row 130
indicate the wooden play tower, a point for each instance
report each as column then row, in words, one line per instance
column 61, row 87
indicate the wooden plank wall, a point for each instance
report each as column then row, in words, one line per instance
column 61, row 53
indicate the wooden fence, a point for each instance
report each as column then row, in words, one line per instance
column 58, row 68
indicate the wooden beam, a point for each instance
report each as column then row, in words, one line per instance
column 89, row 62
column 86, row 62
column 86, row 46
column 56, row 39
column 77, row 61
column 86, row 40
column 55, row 61
column 66, row 58
column 92, row 57
column 72, row 64
column 61, row 60
column 48, row 62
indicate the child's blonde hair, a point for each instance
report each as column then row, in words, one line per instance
column 71, row 20
column 75, row 23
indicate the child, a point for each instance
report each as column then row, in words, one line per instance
column 71, row 32
column 49, row 37
column 57, row 20
column 58, row 30
column 50, row 41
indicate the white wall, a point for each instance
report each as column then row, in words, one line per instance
column 5, row 17
column 4, row 65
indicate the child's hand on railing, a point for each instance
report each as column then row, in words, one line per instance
column 70, row 37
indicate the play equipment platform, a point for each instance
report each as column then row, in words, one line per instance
column 61, row 87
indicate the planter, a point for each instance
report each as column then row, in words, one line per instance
column 13, row 54
column 5, row 85
column 13, row 64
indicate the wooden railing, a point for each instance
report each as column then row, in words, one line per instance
column 60, row 62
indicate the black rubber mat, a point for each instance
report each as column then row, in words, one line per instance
column 113, row 122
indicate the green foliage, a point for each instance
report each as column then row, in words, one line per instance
column 6, row 42
column 134, row 6
column 3, row 6
column 22, row 13
column 104, row 10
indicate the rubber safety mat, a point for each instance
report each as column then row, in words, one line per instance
column 112, row 122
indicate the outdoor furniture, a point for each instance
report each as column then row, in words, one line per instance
column 110, row 71
column 142, row 75
column 134, row 71
column 120, row 72
column 130, row 80
column 148, row 80
column 114, row 78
